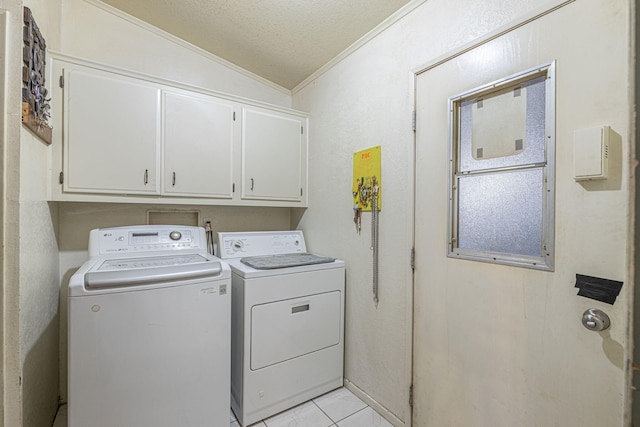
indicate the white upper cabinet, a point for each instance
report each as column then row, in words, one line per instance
column 112, row 134
column 133, row 138
column 273, row 147
column 198, row 146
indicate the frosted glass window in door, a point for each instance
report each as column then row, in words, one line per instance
column 503, row 128
column 502, row 212
column 502, row 171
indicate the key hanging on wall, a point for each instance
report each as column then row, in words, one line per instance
column 366, row 192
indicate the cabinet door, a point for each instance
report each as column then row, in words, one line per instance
column 111, row 136
column 198, row 139
column 272, row 155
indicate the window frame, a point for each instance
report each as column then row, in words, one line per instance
column 546, row 260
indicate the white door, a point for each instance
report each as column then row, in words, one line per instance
column 273, row 146
column 111, row 133
column 198, row 142
column 499, row 345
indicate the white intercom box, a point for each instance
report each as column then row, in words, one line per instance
column 591, row 153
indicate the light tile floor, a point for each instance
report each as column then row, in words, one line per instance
column 339, row 408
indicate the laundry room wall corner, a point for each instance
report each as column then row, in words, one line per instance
column 10, row 366
column 38, row 253
column 365, row 100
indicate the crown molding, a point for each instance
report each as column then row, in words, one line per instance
column 379, row 29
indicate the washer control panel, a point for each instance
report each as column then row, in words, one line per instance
column 245, row 244
column 147, row 238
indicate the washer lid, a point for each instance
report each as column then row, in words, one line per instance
column 148, row 262
column 108, row 275
column 113, row 273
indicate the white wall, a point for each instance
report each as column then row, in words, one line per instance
column 94, row 31
column 11, row 366
column 37, row 253
column 367, row 100
column 636, row 242
column 39, row 287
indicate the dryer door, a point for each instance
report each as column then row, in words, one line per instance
column 291, row 328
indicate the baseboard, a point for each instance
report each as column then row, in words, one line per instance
column 386, row 414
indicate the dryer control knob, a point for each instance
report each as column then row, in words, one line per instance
column 175, row 235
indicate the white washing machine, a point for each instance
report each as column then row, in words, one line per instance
column 287, row 339
column 149, row 331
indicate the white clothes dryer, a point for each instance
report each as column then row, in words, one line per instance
column 287, row 321
column 149, row 331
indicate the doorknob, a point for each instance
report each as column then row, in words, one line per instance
column 595, row 320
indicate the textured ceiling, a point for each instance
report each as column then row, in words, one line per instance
column 283, row 41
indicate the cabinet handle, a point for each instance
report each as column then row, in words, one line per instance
column 146, row 176
column 251, row 184
column 173, row 182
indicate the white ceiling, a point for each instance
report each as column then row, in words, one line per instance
column 283, row 41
